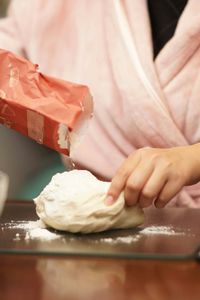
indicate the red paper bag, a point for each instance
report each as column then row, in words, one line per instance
column 53, row 112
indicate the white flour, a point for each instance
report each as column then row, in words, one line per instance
column 37, row 230
column 167, row 230
column 41, row 233
column 151, row 230
column 34, row 230
column 25, row 224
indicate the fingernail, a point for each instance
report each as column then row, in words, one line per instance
column 109, row 200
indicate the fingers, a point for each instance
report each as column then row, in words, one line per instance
column 170, row 189
column 153, row 187
column 136, row 182
column 151, row 174
column 119, row 181
column 146, row 183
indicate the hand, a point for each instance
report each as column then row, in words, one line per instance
column 155, row 175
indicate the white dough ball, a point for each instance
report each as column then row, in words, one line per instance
column 74, row 201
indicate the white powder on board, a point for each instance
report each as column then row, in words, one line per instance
column 151, row 230
column 166, row 230
column 41, row 233
column 38, row 230
column 34, row 230
column 25, row 224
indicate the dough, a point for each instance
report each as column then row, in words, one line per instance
column 74, row 201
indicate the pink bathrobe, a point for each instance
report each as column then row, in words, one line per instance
column 107, row 45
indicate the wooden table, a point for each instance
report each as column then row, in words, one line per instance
column 35, row 277
column 48, row 278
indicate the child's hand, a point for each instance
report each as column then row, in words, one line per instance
column 152, row 174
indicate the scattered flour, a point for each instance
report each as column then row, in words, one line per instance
column 167, row 230
column 41, row 233
column 38, row 230
column 34, row 230
column 26, row 225
column 151, row 230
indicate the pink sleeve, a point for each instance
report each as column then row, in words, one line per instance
column 9, row 32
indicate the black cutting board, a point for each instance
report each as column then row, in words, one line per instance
column 180, row 241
